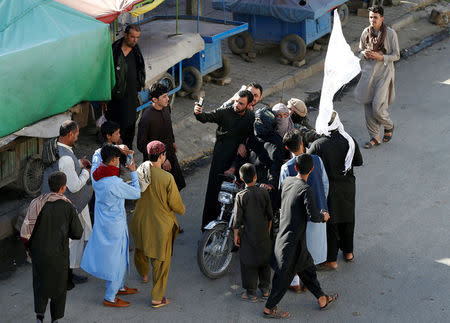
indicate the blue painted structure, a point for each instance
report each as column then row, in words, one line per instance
column 207, row 60
column 270, row 21
column 271, row 29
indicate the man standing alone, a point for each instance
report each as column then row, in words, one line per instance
column 130, row 78
column 378, row 50
column 156, row 124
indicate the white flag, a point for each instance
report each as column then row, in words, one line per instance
column 341, row 66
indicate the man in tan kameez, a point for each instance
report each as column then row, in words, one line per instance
column 154, row 225
column 378, row 51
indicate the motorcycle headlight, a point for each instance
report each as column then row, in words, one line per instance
column 225, row 198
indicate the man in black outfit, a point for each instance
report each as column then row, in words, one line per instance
column 51, row 220
column 234, row 126
column 130, row 78
column 291, row 255
column 339, row 153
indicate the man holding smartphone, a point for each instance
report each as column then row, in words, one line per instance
column 234, row 126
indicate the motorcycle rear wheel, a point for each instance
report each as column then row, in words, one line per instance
column 213, row 263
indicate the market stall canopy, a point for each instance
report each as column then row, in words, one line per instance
column 108, row 10
column 51, row 58
column 286, row 10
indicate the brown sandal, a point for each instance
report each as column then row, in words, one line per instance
column 372, row 143
column 330, row 300
column 388, row 138
column 164, row 302
column 276, row 314
column 248, row 298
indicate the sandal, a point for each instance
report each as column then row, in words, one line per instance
column 325, row 267
column 330, row 299
column 246, row 297
column 388, row 138
column 276, row 314
column 349, row 259
column 372, row 143
column 265, row 294
column 164, row 302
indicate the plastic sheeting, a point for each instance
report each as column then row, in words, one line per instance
column 162, row 49
column 285, row 10
column 341, row 66
column 51, row 58
column 103, row 10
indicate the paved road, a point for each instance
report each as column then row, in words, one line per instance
column 401, row 271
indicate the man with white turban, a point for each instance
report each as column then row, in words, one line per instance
column 339, row 153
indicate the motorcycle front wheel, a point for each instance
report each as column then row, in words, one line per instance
column 214, row 253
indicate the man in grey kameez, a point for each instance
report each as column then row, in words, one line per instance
column 379, row 50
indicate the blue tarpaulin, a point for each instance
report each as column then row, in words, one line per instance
column 285, row 10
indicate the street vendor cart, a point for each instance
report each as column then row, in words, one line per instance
column 46, row 70
column 181, row 50
column 292, row 24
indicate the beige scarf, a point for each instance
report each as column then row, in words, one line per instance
column 144, row 175
column 35, row 209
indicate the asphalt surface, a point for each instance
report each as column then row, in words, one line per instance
column 402, row 263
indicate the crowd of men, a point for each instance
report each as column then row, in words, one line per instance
column 296, row 212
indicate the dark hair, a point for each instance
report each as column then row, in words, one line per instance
column 154, row 157
column 246, row 94
column 56, row 180
column 304, row 163
column 67, row 127
column 108, row 128
column 377, row 9
column 158, row 89
column 109, row 152
column 256, row 86
column 292, row 140
column 132, row 26
column 247, row 172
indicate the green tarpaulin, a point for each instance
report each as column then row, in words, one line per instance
column 51, row 58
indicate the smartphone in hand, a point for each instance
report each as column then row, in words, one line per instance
column 129, row 159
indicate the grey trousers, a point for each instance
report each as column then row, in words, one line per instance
column 377, row 115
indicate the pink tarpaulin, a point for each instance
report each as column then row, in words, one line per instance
column 103, row 10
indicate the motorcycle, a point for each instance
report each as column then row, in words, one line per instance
column 214, row 249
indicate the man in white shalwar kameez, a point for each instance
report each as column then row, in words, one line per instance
column 379, row 50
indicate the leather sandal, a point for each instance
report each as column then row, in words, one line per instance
column 164, row 302
column 388, row 138
column 276, row 314
column 371, row 143
column 330, row 300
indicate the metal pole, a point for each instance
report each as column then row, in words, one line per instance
column 176, row 20
column 198, row 16
column 224, row 13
